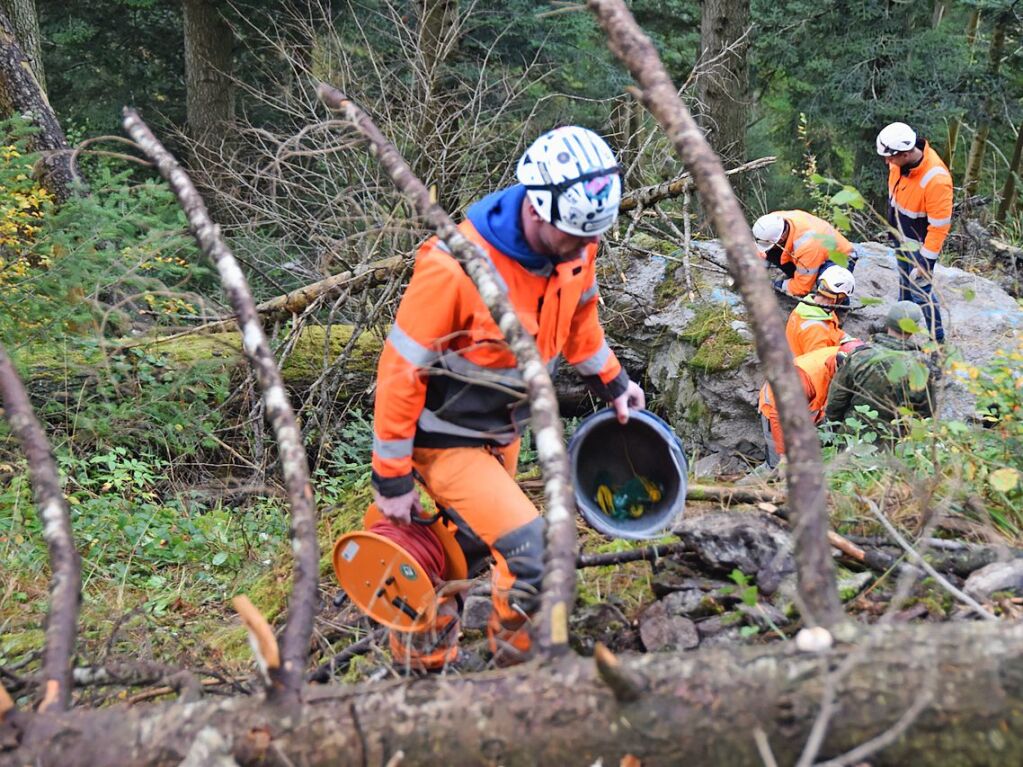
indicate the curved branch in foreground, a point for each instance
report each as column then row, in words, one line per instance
column 817, row 590
column 689, row 708
column 678, row 186
column 65, row 564
column 559, row 576
column 288, row 678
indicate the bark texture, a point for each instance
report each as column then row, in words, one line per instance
column 978, row 146
column 209, row 42
column 65, row 564
column 559, row 575
column 21, row 94
column 724, row 88
column 692, row 708
column 302, row 603
column 1008, row 200
column 820, row 603
column 23, row 17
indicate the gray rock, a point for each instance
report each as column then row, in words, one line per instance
column 727, row 637
column 998, row 576
column 757, row 544
column 700, row 598
column 763, row 615
column 660, row 630
column 476, row 613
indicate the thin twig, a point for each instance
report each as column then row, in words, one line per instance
column 287, row 680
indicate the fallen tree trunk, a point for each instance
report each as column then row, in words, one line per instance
column 693, row 708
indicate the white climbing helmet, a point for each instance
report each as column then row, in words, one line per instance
column 836, row 280
column 768, row 230
column 895, row 138
column 572, row 179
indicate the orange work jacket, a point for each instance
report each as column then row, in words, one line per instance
column 812, row 327
column 920, row 203
column 809, row 243
column 816, row 370
column 446, row 377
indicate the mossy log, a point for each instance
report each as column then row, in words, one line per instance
column 61, row 377
column 693, row 708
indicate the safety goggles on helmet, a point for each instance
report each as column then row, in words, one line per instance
column 573, row 180
column 894, row 139
column 835, row 282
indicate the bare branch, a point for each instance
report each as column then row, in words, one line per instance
column 288, row 678
column 65, row 564
column 678, row 186
column 559, row 576
column 817, row 590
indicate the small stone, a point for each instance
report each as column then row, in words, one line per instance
column 815, row 639
column 476, row 613
column 660, row 631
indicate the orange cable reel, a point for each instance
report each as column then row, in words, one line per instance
column 386, row 580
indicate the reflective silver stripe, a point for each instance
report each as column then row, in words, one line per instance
column 928, row 254
column 801, row 270
column 409, row 348
column 805, row 238
column 457, row 363
column 431, row 422
column 392, row 448
column 906, row 212
column 939, row 221
column 808, row 323
column 929, row 175
column 593, row 364
column 589, row 294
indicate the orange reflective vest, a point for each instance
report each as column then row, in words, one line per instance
column 809, row 244
column 920, row 203
column 446, row 377
column 812, row 327
column 816, row 370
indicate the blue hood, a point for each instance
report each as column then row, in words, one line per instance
column 498, row 218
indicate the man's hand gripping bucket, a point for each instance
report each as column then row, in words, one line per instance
column 610, row 460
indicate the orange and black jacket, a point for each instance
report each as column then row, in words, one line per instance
column 816, row 369
column 446, row 377
column 920, row 203
column 808, row 245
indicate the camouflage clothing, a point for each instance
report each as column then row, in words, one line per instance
column 866, row 379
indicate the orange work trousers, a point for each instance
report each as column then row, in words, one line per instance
column 477, row 488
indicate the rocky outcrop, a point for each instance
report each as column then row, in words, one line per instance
column 696, row 356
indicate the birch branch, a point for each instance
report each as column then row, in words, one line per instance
column 817, row 591
column 287, row 679
column 559, row 575
column 65, row 564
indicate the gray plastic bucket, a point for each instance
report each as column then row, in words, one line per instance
column 602, row 445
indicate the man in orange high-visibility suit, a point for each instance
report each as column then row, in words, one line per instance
column 450, row 403
column 815, row 322
column 800, row 244
column 816, row 370
column 919, row 214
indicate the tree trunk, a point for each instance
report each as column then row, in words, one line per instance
column 692, row 708
column 975, row 159
column 972, row 24
column 208, row 49
column 1008, row 200
column 724, row 88
column 21, row 94
column 25, row 20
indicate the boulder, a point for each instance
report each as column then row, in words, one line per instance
column 998, row 576
column 757, row 544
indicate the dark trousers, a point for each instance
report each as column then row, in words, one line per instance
column 921, row 290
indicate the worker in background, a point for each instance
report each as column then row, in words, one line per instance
column 815, row 370
column 801, row 245
column 450, row 403
column 816, row 322
column 890, row 373
column 919, row 215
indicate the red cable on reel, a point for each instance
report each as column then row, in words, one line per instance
column 419, row 541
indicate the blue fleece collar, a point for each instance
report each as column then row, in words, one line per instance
column 497, row 217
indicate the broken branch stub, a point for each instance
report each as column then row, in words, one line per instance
column 65, row 563
column 559, row 577
column 288, row 678
column 817, row 590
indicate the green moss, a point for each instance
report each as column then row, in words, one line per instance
column 719, row 345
